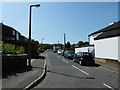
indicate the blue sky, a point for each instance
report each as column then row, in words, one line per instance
column 53, row 19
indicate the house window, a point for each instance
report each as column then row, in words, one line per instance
column 17, row 36
column 13, row 32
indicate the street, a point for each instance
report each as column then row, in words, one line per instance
column 64, row 73
column 46, row 45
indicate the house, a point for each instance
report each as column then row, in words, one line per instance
column 12, row 36
column 0, row 38
column 9, row 33
column 107, row 42
column 57, row 47
column 23, row 38
column 97, row 33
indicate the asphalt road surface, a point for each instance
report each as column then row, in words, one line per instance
column 64, row 73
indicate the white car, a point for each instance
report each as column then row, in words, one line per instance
column 59, row 51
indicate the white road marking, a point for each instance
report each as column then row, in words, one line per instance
column 64, row 60
column 80, row 70
column 108, row 86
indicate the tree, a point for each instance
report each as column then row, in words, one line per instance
column 45, row 46
column 86, row 43
column 80, row 43
column 68, row 45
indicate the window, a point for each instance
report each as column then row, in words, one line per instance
column 13, row 32
column 79, row 54
column 17, row 36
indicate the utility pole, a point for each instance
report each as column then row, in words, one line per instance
column 64, row 40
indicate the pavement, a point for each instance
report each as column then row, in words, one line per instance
column 26, row 78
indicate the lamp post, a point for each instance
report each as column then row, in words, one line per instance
column 29, row 40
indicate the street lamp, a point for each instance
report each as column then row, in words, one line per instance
column 29, row 40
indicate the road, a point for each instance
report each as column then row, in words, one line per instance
column 64, row 73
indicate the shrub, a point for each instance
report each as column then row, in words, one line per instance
column 11, row 49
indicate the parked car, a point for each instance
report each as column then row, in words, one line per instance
column 63, row 51
column 59, row 52
column 55, row 51
column 69, row 54
column 84, row 58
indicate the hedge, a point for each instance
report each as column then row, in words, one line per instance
column 11, row 49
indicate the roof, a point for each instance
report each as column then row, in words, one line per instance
column 5, row 26
column 108, row 34
column 116, row 25
column 110, row 31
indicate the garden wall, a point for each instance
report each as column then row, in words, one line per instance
column 13, row 62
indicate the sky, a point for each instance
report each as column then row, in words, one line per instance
column 52, row 19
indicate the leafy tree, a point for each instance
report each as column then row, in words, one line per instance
column 86, row 43
column 68, row 45
column 45, row 46
column 80, row 43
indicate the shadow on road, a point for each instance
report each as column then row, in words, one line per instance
column 95, row 65
column 15, row 73
column 70, row 75
column 39, row 57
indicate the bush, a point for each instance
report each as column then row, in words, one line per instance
column 11, row 49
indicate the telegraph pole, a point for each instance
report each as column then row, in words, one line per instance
column 64, row 40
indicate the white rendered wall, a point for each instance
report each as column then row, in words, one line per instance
column 84, row 49
column 81, row 50
column 91, row 38
column 119, row 48
column 107, row 48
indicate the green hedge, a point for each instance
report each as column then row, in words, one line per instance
column 11, row 49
